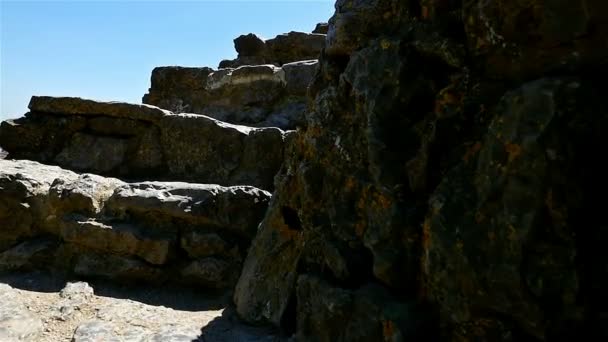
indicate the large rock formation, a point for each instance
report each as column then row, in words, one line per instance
column 254, row 95
column 443, row 187
column 143, row 142
column 88, row 225
column 448, row 172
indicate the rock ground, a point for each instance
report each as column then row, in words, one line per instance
column 41, row 307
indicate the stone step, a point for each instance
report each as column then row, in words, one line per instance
column 143, row 142
column 255, row 95
column 95, row 226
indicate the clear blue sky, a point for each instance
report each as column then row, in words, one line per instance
column 106, row 50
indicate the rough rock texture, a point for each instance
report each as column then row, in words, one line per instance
column 321, row 28
column 282, row 49
column 16, row 322
column 41, row 307
column 255, row 95
column 143, row 142
column 102, row 227
column 450, row 165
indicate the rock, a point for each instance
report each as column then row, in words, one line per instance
column 96, row 331
column 16, row 322
column 249, row 95
column 198, row 244
column 235, row 209
column 294, row 46
column 90, row 152
column 211, row 272
column 23, row 188
column 85, row 195
column 366, row 314
column 321, row 28
column 512, row 215
column 357, row 22
column 298, row 76
column 103, row 227
column 117, row 268
column 274, row 255
column 119, row 238
column 3, row 153
column 282, row 49
column 84, row 107
column 74, row 296
column 152, row 143
column 514, row 40
column 249, row 45
column 77, row 291
column 27, row 254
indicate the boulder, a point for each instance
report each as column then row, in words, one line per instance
column 282, row 49
column 146, row 142
column 253, row 95
column 249, row 45
column 103, row 227
column 321, row 28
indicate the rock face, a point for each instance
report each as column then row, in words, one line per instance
column 151, row 231
column 254, row 95
column 448, row 167
column 282, row 49
column 143, row 142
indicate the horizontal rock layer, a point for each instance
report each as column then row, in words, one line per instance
column 259, row 95
column 151, row 231
column 143, row 142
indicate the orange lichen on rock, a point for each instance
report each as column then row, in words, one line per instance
column 514, row 150
column 471, row 152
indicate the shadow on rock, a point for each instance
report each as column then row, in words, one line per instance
column 170, row 296
column 229, row 328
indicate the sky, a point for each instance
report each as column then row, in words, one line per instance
column 106, row 50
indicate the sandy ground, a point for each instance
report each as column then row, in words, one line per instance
column 68, row 310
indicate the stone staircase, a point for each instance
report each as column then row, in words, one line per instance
column 98, row 189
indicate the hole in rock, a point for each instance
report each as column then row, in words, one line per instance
column 291, row 219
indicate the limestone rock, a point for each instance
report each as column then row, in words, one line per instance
column 250, row 94
column 16, row 322
column 103, row 227
column 249, row 45
column 146, row 142
column 211, row 272
column 23, row 188
column 321, row 28
column 282, row 49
